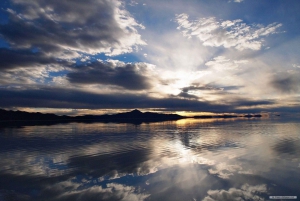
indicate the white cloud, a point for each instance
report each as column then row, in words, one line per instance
column 221, row 63
column 229, row 34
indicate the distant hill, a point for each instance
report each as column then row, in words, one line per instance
column 27, row 116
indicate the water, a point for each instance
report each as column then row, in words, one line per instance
column 176, row 160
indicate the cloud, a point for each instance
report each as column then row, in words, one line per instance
column 221, row 63
column 195, row 89
column 54, row 27
column 26, row 58
column 246, row 192
column 54, row 97
column 229, row 34
column 236, row 1
column 26, row 67
column 286, row 83
column 187, row 95
column 129, row 76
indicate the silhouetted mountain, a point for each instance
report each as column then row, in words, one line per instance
column 27, row 116
column 252, row 115
column 134, row 116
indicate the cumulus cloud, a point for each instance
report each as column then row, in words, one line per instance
column 246, row 192
column 226, row 33
column 55, row 27
column 129, row 76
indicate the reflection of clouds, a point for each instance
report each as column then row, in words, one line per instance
column 224, row 171
column 246, row 192
column 286, row 146
column 69, row 190
column 145, row 168
column 174, row 156
column 33, row 164
column 66, row 130
column 210, row 148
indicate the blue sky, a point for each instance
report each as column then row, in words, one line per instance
column 202, row 56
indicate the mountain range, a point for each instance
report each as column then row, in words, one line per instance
column 134, row 116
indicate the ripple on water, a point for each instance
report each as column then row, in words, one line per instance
column 178, row 157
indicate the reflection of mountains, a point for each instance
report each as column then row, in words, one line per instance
column 135, row 117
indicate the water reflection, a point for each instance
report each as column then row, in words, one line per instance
column 180, row 160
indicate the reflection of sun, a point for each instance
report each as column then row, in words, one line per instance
column 181, row 155
column 190, row 113
column 191, row 121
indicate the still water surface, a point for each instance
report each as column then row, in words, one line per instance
column 201, row 160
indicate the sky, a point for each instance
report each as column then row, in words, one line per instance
column 93, row 56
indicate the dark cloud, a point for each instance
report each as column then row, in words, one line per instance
column 26, row 58
column 286, row 83
column 184, row 94
column 128, row 76
column 197, row 87
column 229, row 88
column 69, row 98
column 243, row 102
column 88, row 26
column 211, row 89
